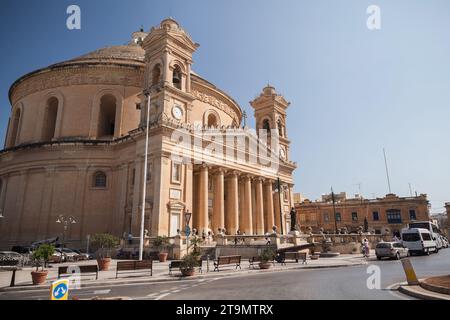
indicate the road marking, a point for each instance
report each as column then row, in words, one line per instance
column 102, row 291
column 152, row 294
column 176, row 291
column 162, row 296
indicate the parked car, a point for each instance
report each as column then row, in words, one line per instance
column 393, row 250
column 418, row 240
column 22, row 249
column 444, row 242
column 70, row 255
column 83, row 255
column 10, row 258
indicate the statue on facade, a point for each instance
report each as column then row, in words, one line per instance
column 293, row 220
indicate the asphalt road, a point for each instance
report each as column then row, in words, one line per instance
column 333, row 283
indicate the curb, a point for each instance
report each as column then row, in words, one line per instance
column 416, row 292
column 196, row 277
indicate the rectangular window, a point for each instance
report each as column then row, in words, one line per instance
column 354, row 216
column 176, row 172
column 338, row 216
column 394, row 216
column 302, row 218
column 313, row 217
column 376, row 216
column 326, row 217
column 412, row 214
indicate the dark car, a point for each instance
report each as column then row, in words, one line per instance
column 22, row 249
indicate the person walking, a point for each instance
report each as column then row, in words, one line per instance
column 366, row 248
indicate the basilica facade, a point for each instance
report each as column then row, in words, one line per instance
column 76, row 141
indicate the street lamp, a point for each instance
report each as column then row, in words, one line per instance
column 279, row 189
column 66, row 223
column 144, row 188
column 334, row 211
column 187, row 229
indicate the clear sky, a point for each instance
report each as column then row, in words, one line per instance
column 353, row 91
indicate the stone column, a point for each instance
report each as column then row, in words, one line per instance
column 203, row 200
column 232, row 215
column 218, row 205
column 245, row 224
column 259, row 207
column 268, row 206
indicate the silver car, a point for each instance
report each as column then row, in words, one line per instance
column 393, row 250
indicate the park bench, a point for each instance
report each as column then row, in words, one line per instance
column 89, row 270
column 254, row 260
column 296, row 256
column 227, row 260
column 134, row 267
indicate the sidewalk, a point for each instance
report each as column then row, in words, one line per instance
column 433, row 288
column 161, row 272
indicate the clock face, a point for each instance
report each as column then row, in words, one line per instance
column 177, row 112
column 283, row 153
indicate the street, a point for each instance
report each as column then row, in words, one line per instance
column 328, row 283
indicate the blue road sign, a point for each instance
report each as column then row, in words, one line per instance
column 187, row 231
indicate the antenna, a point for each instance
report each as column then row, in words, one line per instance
column 387, row 171
column 410, row 189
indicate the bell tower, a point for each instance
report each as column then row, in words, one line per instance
column 168, row 57
column 270, row 114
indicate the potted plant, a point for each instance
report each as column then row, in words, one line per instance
column 187, row 267
column 41, row 257
column 162, row 242
column 265, row 258
column 104, row 242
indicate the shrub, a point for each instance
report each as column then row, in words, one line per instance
column 42, row 254
column 267, row 255
column 161, row 242
column 104, row 242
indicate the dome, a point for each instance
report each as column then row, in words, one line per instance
column 133, row 53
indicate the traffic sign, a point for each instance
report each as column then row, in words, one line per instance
column 187, row 231
column 60, row 290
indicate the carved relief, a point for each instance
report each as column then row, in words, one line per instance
column 215, row 103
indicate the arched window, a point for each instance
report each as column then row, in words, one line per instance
column 176, row 78
column 14, row 128
column 156, row 74
column 212, row 120
column 280, row 128
column 266, row 125
column 51, row 112
column 107, row 117
column 99, row 180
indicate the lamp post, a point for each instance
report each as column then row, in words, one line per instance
column 187, row 229
column 334, row 211
column 144, row 188
column 66, row 223
column 279, row 189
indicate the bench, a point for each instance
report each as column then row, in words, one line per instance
column 176, row 264
column 296, row 256
column 90, row 269
column 254, row 260
column 134, row 267
column 227, row 260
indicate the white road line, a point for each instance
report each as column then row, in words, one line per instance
column 162, row 296
column 152, row 294
column 395, row 294
column 175, row 291
column 102, row 291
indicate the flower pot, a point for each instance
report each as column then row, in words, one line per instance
column 264, row 265
column 187, row 272
column 103, row 264
column 162, row 256
column 39, row 277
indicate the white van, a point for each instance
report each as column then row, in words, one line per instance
column 418, row 240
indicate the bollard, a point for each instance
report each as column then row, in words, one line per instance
column 409, row 272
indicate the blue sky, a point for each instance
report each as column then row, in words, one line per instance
column 353, row 91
